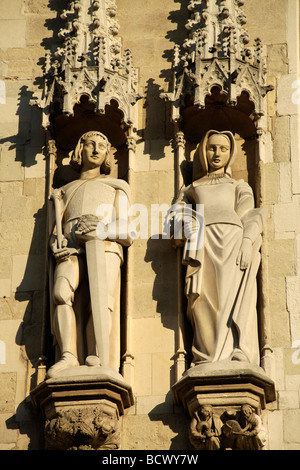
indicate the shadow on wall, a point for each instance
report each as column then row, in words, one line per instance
column 163, row 262
column 176, row 36
column 28, row 210
column 29, row 135
column 23, row 161
column 156, row 112
column 156, row 121
column 29, row 270
column 24, row 422
column 177, row 422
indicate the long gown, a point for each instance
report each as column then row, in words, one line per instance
column 222, row 297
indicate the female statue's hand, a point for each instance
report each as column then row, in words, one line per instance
column 244, row 255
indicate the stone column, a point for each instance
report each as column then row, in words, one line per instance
column 128, row 358
column 180, row 355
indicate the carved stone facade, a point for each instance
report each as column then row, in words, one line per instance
column 224, row 391
column 153, row 78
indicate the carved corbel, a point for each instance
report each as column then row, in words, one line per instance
column 225, row 405
column 230, row 429
column 83, row 412
column 84, row 428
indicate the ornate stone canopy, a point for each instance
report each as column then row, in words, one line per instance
column 89, row 79
column 218, row 78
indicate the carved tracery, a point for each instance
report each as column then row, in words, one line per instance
column 217, row 67
column 90, row 63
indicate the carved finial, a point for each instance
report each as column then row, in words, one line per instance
column 217, row 54
column 89, row 61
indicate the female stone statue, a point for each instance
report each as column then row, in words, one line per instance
column 221, row 271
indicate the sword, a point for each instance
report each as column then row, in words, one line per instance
column 96, row 265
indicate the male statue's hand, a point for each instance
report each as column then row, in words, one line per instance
column 87, row 223
column 63, row 253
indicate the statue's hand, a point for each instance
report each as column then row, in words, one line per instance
column 87, row 223
column 177, row 238
column 63, row 253
column 244, row 255
column 185, row 226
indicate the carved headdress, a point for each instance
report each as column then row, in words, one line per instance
column 200, row 166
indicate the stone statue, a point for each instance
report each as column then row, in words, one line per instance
column 245, row 431
column 223, row 260
column 89, row 228
column 205, row 429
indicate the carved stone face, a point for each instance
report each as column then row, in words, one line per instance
column 246, row 411
column 94, row 151
column 217, row 151
column 205, row 412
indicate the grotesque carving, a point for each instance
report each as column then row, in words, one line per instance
column 222, row 231
column 88, row 218
column 86, row 428
column 205, row 429
column 237, row 430
column 245, row 431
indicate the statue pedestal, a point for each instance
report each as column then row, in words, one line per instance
column 82, row 408
column 225, row 387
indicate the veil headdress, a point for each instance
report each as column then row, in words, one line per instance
column 200, row 165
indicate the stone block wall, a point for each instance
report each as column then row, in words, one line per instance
column 149, row 29
column 22, row 219
column 278, row 23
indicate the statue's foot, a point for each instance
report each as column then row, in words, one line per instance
column 239, row 356
column 67, row 360
column 92, row 361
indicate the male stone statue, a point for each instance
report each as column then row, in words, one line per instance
column 89, row 227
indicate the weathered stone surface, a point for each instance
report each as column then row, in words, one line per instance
column 82, row 407
column 28, row 29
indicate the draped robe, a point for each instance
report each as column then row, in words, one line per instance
column 222, row 297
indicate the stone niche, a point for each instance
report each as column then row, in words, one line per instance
column 219, row 87
column 83, row 408
column 90, row 92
